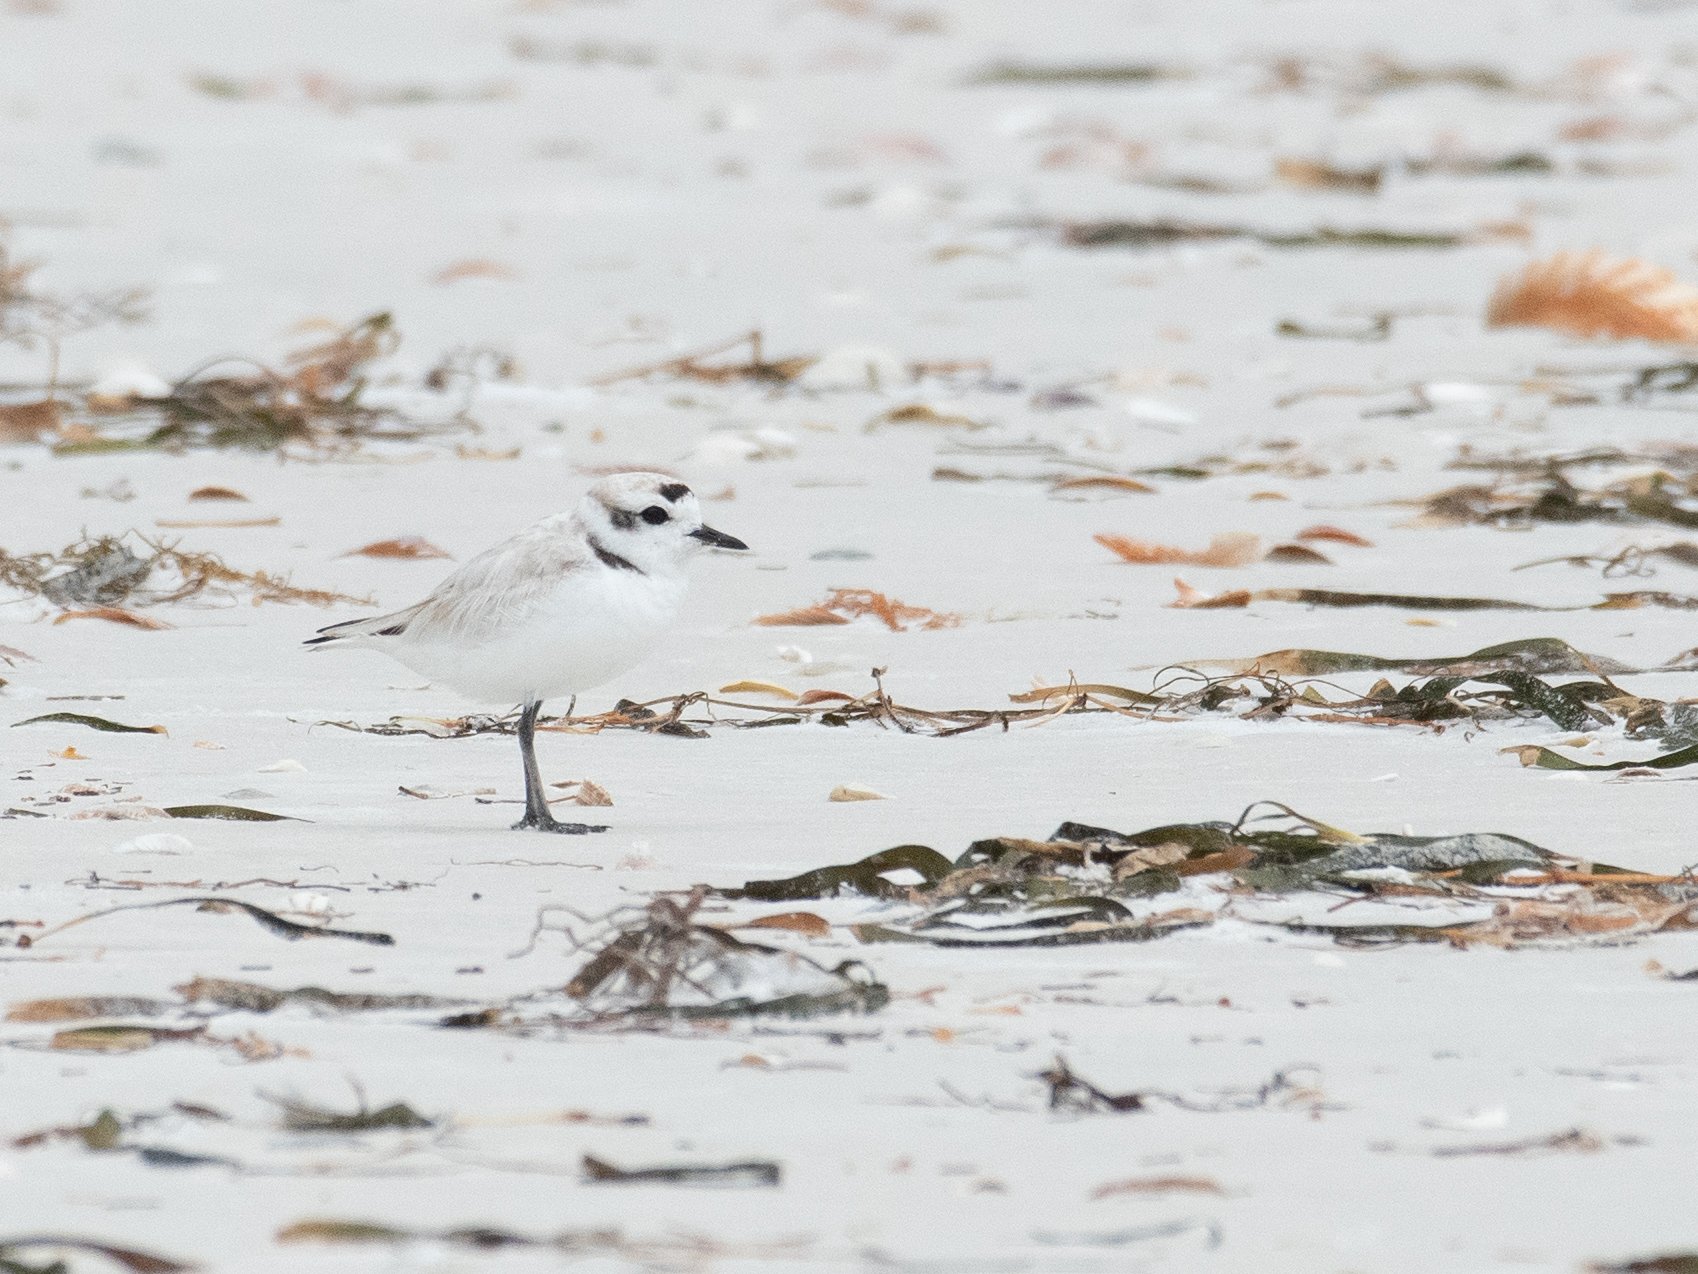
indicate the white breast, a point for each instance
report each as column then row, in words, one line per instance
column 586, row 629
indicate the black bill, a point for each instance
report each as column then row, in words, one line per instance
column 717, row 539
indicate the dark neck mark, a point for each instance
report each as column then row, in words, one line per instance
column 612, row 560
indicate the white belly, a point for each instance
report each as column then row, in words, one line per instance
column 574, row 638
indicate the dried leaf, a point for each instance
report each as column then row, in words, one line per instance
column 757, row 688
column 1325, row 531
column 850, row 792
column 1590, row 294
column 473, row 268
column 1234, row 548
column 809, row 697
column 805, row 617
column 115, row 615
column 1103, row 482
column 217, row 493
column 846, row 604
column 316, row 1231
column 1158, row 1185
column 406, row 546
column 804, row 922
column 1299, row 553
column 226, row 524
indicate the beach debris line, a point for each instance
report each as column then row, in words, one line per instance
column 136, row 570
column 1084, row 885
column 1504, row 682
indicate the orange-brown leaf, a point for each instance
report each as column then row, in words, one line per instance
column 801, row 618
column 795, row 922
column 823, row 696
column 1195, row 599
column 1234, row 548
column 472, row 268
column 1590, row 294
column 406, row 546
column 846, row 604
column 1337, row 534
column 1104, row 482
column 115, row 615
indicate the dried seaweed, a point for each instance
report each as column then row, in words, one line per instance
column 127, row 1258
column 316, row 402
column 101, row 571
column 1086, row 885
column 667, row 966
column 750, row 1172
column 1164, row 232
column 1099, row 73
column 302, row 1116
column 93, row 723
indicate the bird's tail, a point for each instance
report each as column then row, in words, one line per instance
column 360, row 631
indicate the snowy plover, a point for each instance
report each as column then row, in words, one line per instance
column 563, row 606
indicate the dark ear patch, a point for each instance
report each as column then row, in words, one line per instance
column 624, row 519
column 675, row 491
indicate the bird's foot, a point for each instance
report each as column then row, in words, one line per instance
column 548, row 823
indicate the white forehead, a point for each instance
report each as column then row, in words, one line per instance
column 634, row 491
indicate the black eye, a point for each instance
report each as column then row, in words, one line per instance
column 654, row 515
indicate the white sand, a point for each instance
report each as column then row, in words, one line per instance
column 770, row 168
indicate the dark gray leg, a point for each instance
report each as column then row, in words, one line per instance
column 537, row 816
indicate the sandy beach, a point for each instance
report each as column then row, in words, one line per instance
column 1207, row 281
